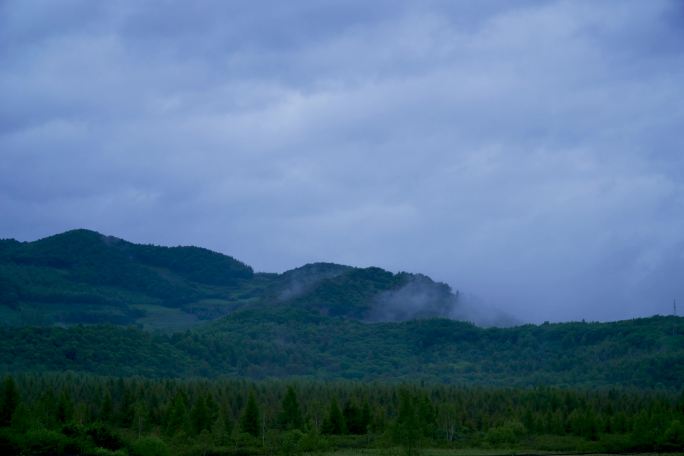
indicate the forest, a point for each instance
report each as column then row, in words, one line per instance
column 71, row 413
column 114, row 348
column 642, row 353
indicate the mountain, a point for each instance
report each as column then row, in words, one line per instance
column 84, row 277
column 191, row 312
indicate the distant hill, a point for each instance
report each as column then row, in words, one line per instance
column 320, row 320
column 84, row 277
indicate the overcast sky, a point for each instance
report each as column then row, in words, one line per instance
column 528, row 152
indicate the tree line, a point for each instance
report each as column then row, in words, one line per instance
column 85, row 414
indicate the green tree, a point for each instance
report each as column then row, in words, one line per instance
column 107, row 408
column 291, row 415
column 126, row 411
column 65, row 408
column 177, row 418
column 427, row 416
column 353, row 418
column 334, row 422
column 212, row 408
column 9, row 400
column 220, row 430
column 407, row 428
column 22, row 419
column 249, row 422
column 673, row 437
column 200, row 418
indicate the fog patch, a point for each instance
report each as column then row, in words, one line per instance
column 299, row 281
column 421, row 297
column 473, row 309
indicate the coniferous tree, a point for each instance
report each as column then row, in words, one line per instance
column 221, row 428
column 427, row 416
column 354, row 419
column 177, row 418
column 407, row 429
column 46, row 410
column 9, row 400
column 249, row 422
column 213, row 411
column 106, row 408
column 65, row 408
column 334, row 422
column 154, row 414
column 640, row 420
column 365, row 416
column 126, row 412
column 291, row 415
column 200, row 418
column 140, row 418
column 22, row 419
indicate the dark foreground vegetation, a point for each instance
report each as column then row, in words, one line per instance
column 69, row 414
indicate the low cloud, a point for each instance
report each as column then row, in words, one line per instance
column 421, row 297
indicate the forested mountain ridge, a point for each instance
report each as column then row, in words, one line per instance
column 81, row 276
column 84, row 277
column 322, row 321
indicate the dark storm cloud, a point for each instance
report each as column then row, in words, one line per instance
column 529, row 153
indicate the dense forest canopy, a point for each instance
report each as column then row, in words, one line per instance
column 77, row 414
column 646, row 353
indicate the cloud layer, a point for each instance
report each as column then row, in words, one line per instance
column 530, row 153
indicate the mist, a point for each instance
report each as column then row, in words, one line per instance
column 420, row 297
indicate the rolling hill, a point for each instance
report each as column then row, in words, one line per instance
column 84, row 277
column 81, row 301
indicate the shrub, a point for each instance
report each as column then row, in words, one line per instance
column 673, row 437
column 510, row 432
column 103, row 436
column 44, row 442
column 149, row 446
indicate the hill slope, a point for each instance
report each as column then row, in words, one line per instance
column 321, row 320
column 83, row 277
column 286, row 342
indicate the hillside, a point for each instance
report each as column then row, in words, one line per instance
column 84, row 277
column 187, row 312
column 292, row 342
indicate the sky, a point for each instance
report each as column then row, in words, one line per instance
column 528, row 153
